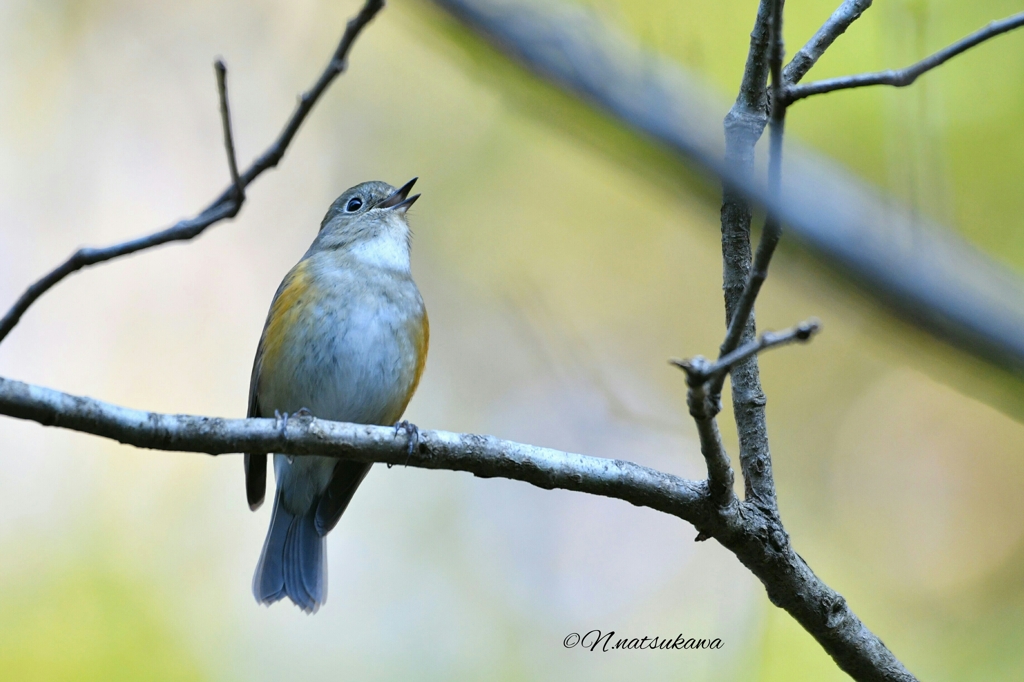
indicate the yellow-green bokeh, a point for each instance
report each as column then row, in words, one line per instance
column 562, row 261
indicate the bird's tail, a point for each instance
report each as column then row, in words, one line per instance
column 293, row 562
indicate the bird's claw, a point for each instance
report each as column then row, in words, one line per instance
column 412, row 433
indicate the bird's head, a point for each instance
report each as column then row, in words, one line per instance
column 369, row 221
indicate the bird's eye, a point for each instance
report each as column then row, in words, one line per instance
column 353, row 205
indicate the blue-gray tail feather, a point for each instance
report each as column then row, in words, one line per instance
column 293, row 562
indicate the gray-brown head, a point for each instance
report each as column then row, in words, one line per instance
column 368, row 219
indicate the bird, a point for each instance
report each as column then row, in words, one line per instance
column 346, row 340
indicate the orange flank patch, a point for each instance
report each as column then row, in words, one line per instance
column 288, row 303
column 422, row 343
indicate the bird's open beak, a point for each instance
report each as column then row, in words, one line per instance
column 398, row 200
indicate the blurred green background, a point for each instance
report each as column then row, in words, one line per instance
column 562, row 262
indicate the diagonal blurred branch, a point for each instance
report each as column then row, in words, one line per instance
column 228, row 203
column 903, row 77
column 922, row 272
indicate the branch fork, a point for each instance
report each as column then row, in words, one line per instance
column 705, row 406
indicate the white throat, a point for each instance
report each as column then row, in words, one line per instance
column 388, row 251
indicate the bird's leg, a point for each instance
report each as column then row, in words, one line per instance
column 412, row 433
column 283, row 418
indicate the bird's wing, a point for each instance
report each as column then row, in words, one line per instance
column 255, row 465
column 289, row 294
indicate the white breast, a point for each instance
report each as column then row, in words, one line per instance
column 388, row 251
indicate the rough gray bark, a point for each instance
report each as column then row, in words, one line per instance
column 483, row 456
column 818, row 608
column 744, row 125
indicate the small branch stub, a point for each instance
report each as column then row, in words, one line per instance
column 229, row 138
column 699, row 370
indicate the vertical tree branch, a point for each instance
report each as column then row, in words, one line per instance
column 772, row 231
column 744, row 125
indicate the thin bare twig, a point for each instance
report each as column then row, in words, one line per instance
column 810, row 53
column 720, row 474
column 903, row 77
column 226, row 205
column 770, row 235
column 229, row 138
column 700, row 370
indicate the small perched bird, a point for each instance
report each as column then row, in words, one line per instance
column 346, row 340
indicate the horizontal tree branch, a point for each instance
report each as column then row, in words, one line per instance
column 811, row 52
column 801, row 332
column 902, row 77
column 227, row 204
column 483, row 456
